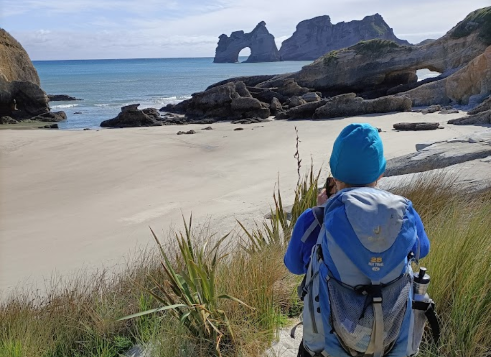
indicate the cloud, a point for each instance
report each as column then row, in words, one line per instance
column 190, row 28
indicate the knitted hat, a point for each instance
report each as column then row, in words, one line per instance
column 357, row 155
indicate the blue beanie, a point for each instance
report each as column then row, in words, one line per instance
column 357, row 155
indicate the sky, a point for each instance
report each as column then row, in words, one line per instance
column 99, row 29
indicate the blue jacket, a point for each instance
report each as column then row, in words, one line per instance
column 297, row 256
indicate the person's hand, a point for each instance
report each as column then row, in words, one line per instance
column 322, row 197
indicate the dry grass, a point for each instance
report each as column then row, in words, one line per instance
column 79, row 317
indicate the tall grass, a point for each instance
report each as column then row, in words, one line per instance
column 459, row 227
column 194, row 283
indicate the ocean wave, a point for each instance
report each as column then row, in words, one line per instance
column 102, row 105
column 170, row 100
column 60, row 106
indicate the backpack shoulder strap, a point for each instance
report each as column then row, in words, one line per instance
column 318, row 212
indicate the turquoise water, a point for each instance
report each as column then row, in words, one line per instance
column 107, row 85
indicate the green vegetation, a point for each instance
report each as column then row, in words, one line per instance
column 476, row 20
column 375, row 46
column 330, row 58
column 184, row 297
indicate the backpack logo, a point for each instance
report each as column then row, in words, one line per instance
column 376, row 263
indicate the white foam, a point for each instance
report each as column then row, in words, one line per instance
column 170, row 100
column 64, row 106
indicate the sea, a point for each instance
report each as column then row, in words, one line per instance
column 104, row 86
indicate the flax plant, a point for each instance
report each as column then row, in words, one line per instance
column 192, row 294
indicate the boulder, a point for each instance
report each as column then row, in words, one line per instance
column 442, row 154
column 60, row 98
column 260, row 41
column 189, row 132
column 51, row 117
column 131, row 116
column 305, row 111
column 290, row 88
column 295, row 101
column 485, row 105
column 416, row 126
column 432, row 109
column 241, row 88
column 346, row 105
column 20, row 94
column 8, row 120
column 469, row 176
column 318, row 36
column 275, row 106
column 476, row 119
column 266, row 95
column 311, row 97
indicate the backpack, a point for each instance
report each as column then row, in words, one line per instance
column 358, row 290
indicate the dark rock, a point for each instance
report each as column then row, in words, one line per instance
column 485, row 105
column 480, row 118
column 305, row 111
column 432, row 109
column 86, row 128
column 290, row 88
column 131, row 116
column 61, row 98
column 275, row 106
column 51, row 116
column 8, row 120
column 449, row 111
column 20, row 94
column 318, row 36
column 260, row 41
column 249, row 121
column 238, row 129
column 311, row 97
column 295, row 101
column 241, row 88
column 189, row 132
column 207, row 128
column 249, row 81
column 416, row 126
column 347, row 105
column 266, row 95
column 75, row 113
column 439, row 155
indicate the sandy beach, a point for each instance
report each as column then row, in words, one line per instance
column 72, row 200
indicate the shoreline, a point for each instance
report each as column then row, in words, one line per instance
column 73, row 198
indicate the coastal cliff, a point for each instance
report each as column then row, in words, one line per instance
column 20, row 94
column 318, row 36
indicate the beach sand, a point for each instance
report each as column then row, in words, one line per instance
column 72, row 200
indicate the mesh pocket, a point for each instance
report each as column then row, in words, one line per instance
column 352, row 313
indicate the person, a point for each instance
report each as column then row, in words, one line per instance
column 357, row 163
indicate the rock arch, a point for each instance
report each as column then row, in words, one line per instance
column 260, row 41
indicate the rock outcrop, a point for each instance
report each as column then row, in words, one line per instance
column 473, row 80
column 475, row 119
column 347, row 105
column 230, row 101
column 318, row 36
column 416, row 126
column 372, row 68
column 442, row 154
column 380, row 74
column 131, row 116
column 260, row 41
column 20, row 94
